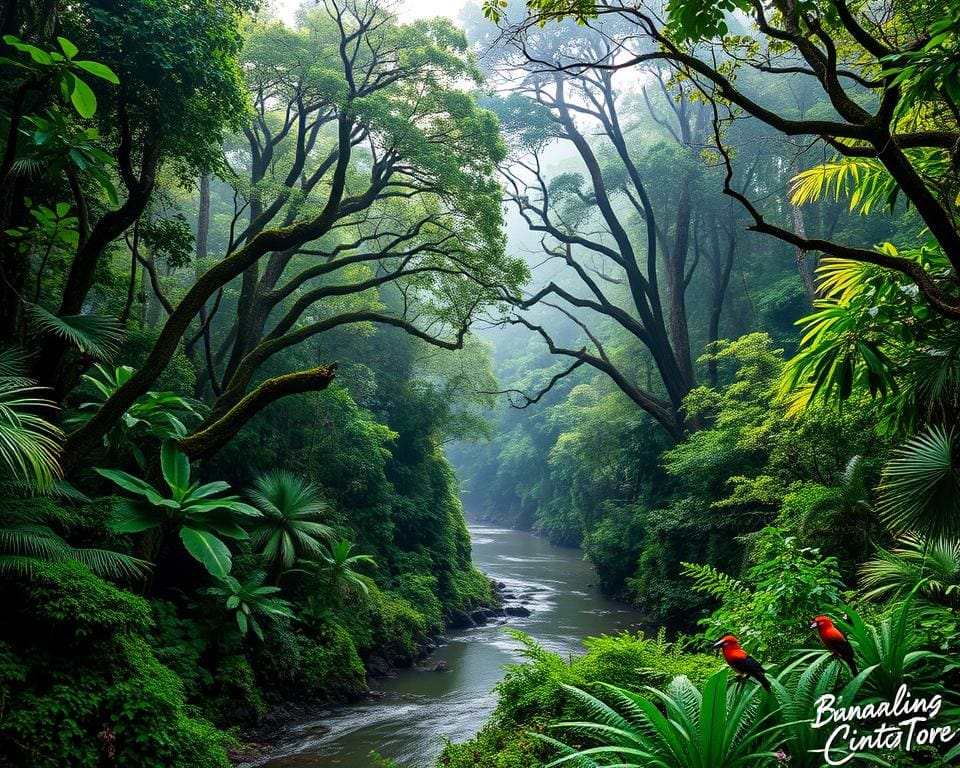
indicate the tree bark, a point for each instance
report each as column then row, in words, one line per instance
column 203, row 217
column 211, row 437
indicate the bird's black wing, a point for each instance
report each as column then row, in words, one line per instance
column 747, row 666
column 750, row 666
column 841, row 648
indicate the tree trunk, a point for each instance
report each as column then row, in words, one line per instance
column 203, row 217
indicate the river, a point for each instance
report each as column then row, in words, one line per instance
column 418, row 709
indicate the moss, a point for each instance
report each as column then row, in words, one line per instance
column 68, row 598
column 420, row 591
column 238, row 689
column 331, row 667
column 83, row 686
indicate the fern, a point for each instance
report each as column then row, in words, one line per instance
column 709, row 581
column 95, row 335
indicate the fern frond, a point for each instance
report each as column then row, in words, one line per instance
column 709, row 581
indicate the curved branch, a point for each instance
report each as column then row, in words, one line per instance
column 211, row 437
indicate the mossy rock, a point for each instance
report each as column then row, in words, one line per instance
column 331, row 667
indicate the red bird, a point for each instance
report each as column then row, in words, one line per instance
column 743, row 664
column 835, row 641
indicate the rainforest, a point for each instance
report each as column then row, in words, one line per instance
column 480, row 384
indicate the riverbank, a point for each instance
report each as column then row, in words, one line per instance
column 259, row 743
column 449, row 693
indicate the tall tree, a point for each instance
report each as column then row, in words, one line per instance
column 623, row 234
column 887, row 72
column 366, row 166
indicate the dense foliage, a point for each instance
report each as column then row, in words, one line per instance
column 229, row 248
column 244, row 265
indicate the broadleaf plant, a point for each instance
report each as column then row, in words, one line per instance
column 197, row 513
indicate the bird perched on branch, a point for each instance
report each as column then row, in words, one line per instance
column 742, row 663
column 835, row 641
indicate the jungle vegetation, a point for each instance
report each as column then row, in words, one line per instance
column 675, row 283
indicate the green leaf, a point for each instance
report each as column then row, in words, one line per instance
column 83, row 98
column 175, row 467
column 208, row 489
column 136, row 485
column 98, row 70
column 96, row 335
column 68, row 48
column 132, row 516
column 232, row 602
column 208, row 550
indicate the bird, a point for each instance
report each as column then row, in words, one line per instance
column 742, row 663
column 835, row 641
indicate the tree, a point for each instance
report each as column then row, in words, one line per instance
column 628, row 243
column 173, row 87
column 888, row 74
column 402, row 174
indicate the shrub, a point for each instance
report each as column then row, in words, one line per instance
column 239, row 694
column 635, row 660
column 65, row 597
column 420, row 591
column 91, row 691
column 770, row 609
column 494, row 747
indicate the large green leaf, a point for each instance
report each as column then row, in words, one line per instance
column 97, row 69
column 212, row 553
column 175, row 467
column 225, row 526
column 83, row 98
column 207, row 489
column 229, row 502
column 135, row 485
column 132, row 516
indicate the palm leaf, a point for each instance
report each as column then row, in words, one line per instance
column 115, row 565
column 29, row 445
column 920, row 486
column 95, row 335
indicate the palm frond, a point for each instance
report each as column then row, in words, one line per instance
column 115, row 565
column 95, row 335
column 864, row 181
column 930, row 566
column 920, row 486
column 13, row 363
column 29, row 445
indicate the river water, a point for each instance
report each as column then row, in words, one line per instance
column 418, row 709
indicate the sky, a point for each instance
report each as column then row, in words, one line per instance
column 407, row 10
